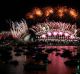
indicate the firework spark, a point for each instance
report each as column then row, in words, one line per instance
column 19, row 29
column 73, row 13
column 37, row 12
column 61, row 11
column 48, row 11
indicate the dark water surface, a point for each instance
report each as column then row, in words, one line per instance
column 57, row 65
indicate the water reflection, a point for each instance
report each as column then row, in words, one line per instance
column 57, row 65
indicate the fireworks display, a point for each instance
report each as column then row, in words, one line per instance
column 37, row 12
column 73, row 13
column 18, row 30
column 47, row 26
column 47, row 11
column 55, row 30
column 48, row 29
column 61, row 11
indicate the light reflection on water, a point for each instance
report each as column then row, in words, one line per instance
column 56, row 67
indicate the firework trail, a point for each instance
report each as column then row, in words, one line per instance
column 19, row 29
column 55, row 26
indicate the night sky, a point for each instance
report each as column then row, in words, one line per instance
column 16, row 9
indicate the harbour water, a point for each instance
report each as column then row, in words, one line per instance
column 57, row 65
